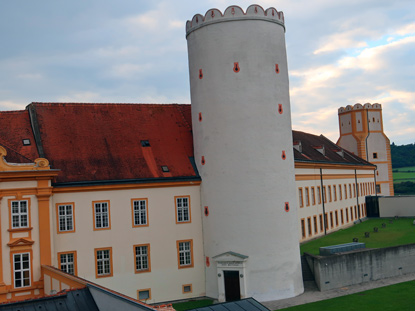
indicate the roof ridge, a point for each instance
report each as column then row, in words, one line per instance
column 108, row 104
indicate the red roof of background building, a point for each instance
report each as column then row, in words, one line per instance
column 14, row 127
column 98, row 142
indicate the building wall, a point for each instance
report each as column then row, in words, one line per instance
column 165, row 279
column 341, row 208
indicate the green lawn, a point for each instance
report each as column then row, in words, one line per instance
column 402, row 231
column 182, row 306
column 389, row 298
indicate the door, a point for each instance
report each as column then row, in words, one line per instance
column 232, row 287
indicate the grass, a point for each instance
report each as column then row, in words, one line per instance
column 394, row 297
column 182, row 306
column 401, row 232
column 403, row 174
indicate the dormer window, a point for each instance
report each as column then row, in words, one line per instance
column 298, row 146
column 320, row 149
column 340, row 152
column 145, row 143
column 26, row 142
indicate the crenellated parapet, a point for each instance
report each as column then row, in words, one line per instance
column 232, row 13
column 358, row 106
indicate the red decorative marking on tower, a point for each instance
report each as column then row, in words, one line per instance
column 203, row 160
column 280, row 108
column 273, row 14
column 207, row 261
column 212, row 14
column 200, row 74
column 206, row 211
column 277, row 69
column 197, row 19
column 233, row 11
column 287, row 207
column 236, row 67
column 283, row 156
column 200, row 117
column 256, row 9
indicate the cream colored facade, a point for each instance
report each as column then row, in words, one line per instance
column 331, row 192
column 165, row 279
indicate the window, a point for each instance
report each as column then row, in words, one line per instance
column 67, row 262
column 21, row 270
column 303, row 228
column 329, row 188
column 321, row 222
column 103, row 258
column 142, row 258
column 345, row 192
column 331, row 220
column 354, row 190
column 347, row 214
column 356, row 212
column 307, row 197
column 377, row 188
column 315, row 224
column 324, row 194
column 101, row 215
column 350, row 191
column 336, row 217
column 313, row 196
column 319, row 195
column 326, row 221
column 20, row 214
column 300, row 196
column 375, row 155
column 182, row 209
column 341, row 216
column 140, row 217
column 65, row 213
column 185, row 253
column 340, row 192
column 351, row 214
column 144, row 294
column 334, row 192
column 187, row 288
column 310, row 230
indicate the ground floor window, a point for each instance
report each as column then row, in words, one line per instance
column 21, row 270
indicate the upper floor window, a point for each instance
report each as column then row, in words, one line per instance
column 103, row 259
column 300, row 197
column 182, row 209
column 20, row 214
column 101, row 215
column 21, row 270
column 313, row 196
column 185, row 253
column 67, row 262
column 139, row 212
column 142, row 258
column 65, row 217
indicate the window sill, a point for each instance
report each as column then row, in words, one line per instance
column 20, row 229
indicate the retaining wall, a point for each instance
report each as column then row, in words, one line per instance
column 401, row 206
column 346, row 269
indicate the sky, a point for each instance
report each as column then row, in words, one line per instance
column 340, row 52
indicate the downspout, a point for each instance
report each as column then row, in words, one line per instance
column 322, row 200
column 374, row 174
column 357, row 193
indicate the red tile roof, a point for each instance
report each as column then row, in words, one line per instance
column 101, row 142
column 14, row 127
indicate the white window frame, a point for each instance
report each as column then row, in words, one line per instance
column 21, row 216
column 142, row 262
column 185, row 254
column 102, row 220
column 67, row 263
column 140, row 212
column 183, row 209
column 21, row 274
column 65, row 219
column 103, row 262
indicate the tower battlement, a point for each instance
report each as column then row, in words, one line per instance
column 253, row 12
column 358, row 106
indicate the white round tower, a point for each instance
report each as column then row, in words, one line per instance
column 244, row 153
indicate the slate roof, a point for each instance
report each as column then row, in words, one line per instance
column 103, row 143
column 74, row 300
column 249, row 304
column 310, row 145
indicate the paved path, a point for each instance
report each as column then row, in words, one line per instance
column 311, row 292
